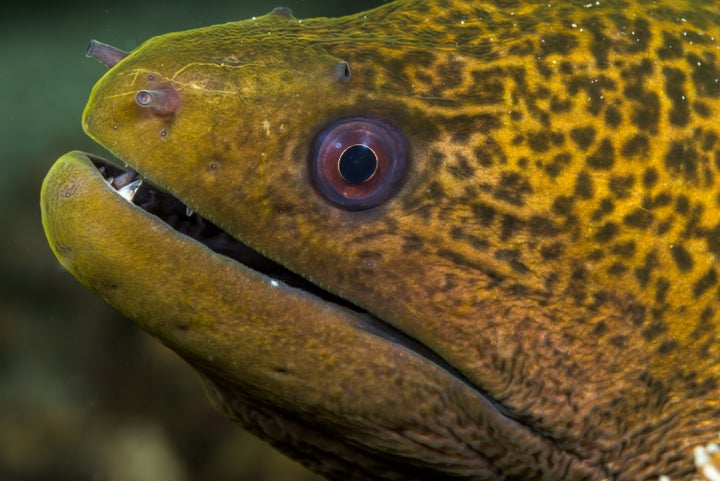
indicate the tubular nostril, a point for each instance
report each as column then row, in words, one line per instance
column 161, row 102
column 107, row 54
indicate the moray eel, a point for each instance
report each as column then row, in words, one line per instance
column 435, row 240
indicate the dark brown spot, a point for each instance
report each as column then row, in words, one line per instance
column 639, row 218
column 654, row 330
column 661, row 289
column 613, row 118
column 671, row 48
column 508, row 226
column 606, row 207
column 650, row 177
column 635, row 146
column 559, row 161
column 538, row 141
column 485, row 213
column 600, row 328
column 683, row 259
column 563, row 205
column 542, row 227
column 617, row 268
column 560, row 43
column 675, row 90
column 553, row 251
column 583, row 136
column 666, row 347
column 705, row 76
column 584, row 186
column 642, row 274
column 621, row 185
column 607, row 232
column 512, row 258
column 604, row 156
column 625, row 249
column 705, row 282
column 682, row 159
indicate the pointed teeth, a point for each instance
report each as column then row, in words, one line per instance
column 123, row 179
column 129, row 190
column 126, row 184
column 189, row 211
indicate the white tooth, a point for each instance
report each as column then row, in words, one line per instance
column 110, row 180
column 188, row 211
column 128, row 191
column 123, row 179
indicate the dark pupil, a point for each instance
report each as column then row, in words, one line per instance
column 357, row 164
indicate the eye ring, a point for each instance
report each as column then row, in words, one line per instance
column 357, row 163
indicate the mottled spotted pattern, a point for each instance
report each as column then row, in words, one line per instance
column 574, row 157
column 590, row 135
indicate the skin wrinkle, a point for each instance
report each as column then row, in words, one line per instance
column 555, row 239
column 141, row 73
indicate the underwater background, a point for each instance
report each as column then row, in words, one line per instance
column 84, row 394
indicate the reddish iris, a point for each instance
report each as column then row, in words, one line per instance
column 358, row 162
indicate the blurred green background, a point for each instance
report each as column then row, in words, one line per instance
column 84, row 394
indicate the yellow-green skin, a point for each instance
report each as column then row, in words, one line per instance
column 556, row 239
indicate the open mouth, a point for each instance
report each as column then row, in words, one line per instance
column 130, row 185
column 172, row 211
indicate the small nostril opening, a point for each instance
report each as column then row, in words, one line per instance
column 143, row 98
column 161, row 102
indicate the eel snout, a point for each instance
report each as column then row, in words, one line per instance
column 107, row 54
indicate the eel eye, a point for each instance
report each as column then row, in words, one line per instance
column 357, row 163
